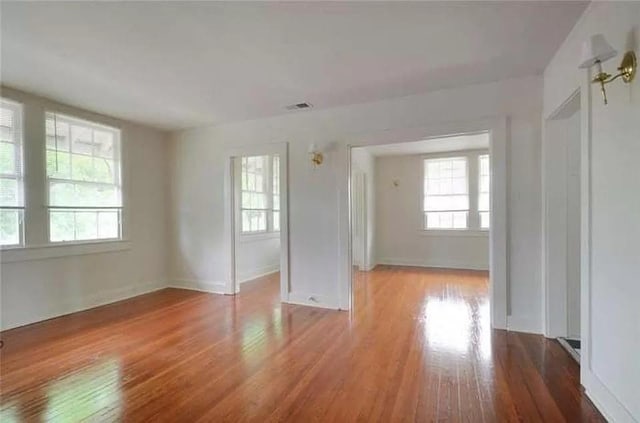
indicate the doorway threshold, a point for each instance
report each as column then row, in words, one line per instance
column 572, row 346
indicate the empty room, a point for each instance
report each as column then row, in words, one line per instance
column 319, row 211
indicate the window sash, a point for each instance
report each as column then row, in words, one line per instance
column 259, row 186
column 99, row 217
column 102, row 232
column 446, row 192
column 12, row 211
column 484, row 191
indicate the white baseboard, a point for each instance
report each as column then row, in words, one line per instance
column 394, row 261
column 196, row 285
column 258, row 272
column 94, row 300
column 525, row 324
column 604, row 400
column 312, row 300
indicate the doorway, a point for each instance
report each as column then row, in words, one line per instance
column 423, row 209
column 257, row 217
column 562, row 228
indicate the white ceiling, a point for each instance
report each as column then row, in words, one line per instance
column 182, row 64
column 432, row 145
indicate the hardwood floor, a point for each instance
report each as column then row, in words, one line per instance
column 417, row 348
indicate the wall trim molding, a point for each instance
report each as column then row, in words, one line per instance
column 211, row 287
column 93, row 300
column 612, row 409
column 394, row 261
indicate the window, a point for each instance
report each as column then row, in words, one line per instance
column 446, row 197
column 484, row 186
column 11, row 175
column 84, row 180
column 260, row 194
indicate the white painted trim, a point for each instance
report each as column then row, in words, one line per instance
column 198, row 285
column 553, row 327
column 612, row 409
column 392, row 261
column 259, row 273
column 498, row 239
column 320, row 301
column 232, row 285
column 94, row 300
column 48, row 251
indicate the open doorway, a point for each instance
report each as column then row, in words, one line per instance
column 421, row 215
column 562, row 229
column 257, row 214
column 258, row 219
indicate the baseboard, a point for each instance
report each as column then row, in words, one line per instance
column 525, row 324
column 604, row 400
column 258, row 273
column 91, row 301
column 312, row 300
column 393, row 261
column 197, row 285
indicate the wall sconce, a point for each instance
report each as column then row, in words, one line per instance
column 597, row 50
column 316, row 156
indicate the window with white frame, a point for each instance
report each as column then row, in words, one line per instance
column 11, row 174
column 84, row 180
column 484, row 193
column 446, row 193
column 260, row 194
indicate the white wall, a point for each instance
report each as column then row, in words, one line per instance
column 316, row 219
column 257, row 255
column 35, row 288
column 362, row 161
column 610, row 369
column 401, row 239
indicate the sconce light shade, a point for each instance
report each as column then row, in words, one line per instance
column 596, row 49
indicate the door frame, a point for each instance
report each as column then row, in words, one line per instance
column 232, row 284
column 498, row 239
column 554, row 296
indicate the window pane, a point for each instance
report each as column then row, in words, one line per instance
column 62, row 226
column 86, row 225
column 9, row 195
column 484, row 187
column 81, row 139
column 446, row 220
column 58, row 164
column 108, row 224
column 7, row 158
column 93, row 169
column 484, row 220
column 276, row 220
column 69, row 194
column 83, row 225
column 10, row 227
column 483, row 202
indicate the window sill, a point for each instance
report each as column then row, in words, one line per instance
column 42, row 252
column 444, row 233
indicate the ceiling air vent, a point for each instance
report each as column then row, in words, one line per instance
column 299, row 106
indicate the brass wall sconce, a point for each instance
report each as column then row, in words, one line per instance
column 597, row 50
column 316, row 156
